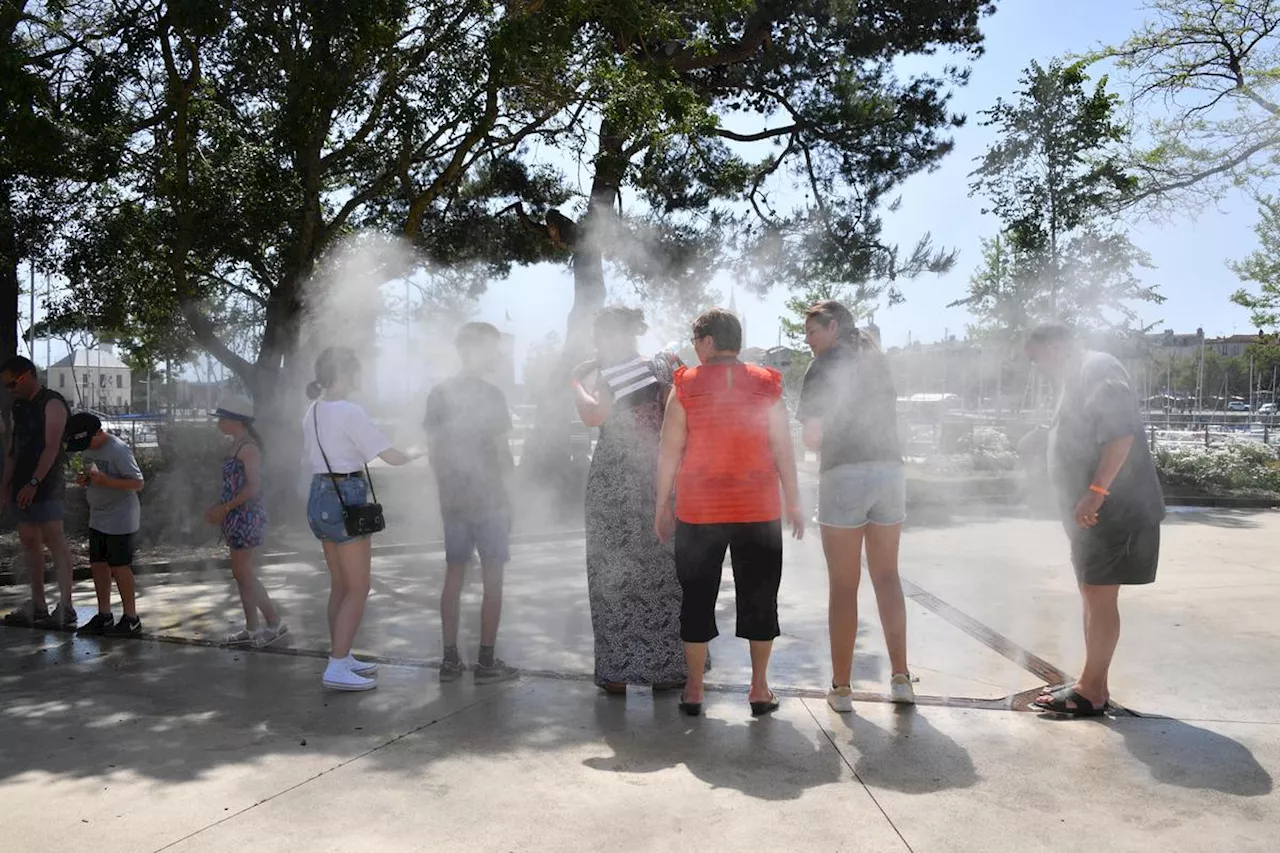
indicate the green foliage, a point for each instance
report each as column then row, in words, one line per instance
column 1053, row 178
column 1237, row 467
column 1262, row 267
column 1208, row 70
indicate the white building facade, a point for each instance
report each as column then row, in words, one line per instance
column 93, row 379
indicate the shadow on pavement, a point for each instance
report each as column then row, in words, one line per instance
column 767, row 759
column 1229, row 519
column 911, row 756
column 1181, row 754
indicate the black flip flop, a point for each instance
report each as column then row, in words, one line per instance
column 1058, row 704
column 759, row 709
column 690, row 709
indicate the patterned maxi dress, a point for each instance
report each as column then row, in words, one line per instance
column 631, row 576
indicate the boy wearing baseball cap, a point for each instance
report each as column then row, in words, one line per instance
column 111, row 480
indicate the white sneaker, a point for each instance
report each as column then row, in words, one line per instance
column 840, row 699
column 361, row 667
column 900, row 690
column 338, row 676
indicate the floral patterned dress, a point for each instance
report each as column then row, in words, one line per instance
column 246, row 525
column 631, row 576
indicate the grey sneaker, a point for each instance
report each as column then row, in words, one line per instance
column 452, row 670
column 61, row 618
column 25, row 616
column 495, row 672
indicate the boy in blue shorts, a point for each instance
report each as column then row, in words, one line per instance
column 467, row 426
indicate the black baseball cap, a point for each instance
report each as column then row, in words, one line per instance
column 81, row 428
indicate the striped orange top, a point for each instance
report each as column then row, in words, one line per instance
column 728, row 474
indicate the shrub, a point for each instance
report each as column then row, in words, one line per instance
column 1243, row 466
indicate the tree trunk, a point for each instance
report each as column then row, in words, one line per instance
column 10, row 291
column 553, row 460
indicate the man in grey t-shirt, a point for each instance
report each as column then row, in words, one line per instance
column 1109, row 496
column 111, row 479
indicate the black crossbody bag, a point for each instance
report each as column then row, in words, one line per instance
column 363, row 520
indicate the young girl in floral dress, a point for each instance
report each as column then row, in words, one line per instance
column 243, row 520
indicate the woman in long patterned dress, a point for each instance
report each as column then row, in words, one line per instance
column 631, row 576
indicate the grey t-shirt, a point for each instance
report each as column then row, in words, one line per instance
column 1098, row 406
column 113, row 511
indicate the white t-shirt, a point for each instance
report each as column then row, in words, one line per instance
column 351, row 439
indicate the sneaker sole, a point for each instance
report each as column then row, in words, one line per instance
column 848, row 710
column 266, row 643
column 343, row 687
column 496, row 679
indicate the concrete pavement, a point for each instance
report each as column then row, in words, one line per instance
column 171, row 744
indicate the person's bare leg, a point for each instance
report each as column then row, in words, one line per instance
column 455, row 576
column 127, row 588
column 56, row 541
column 337, row 583
column 29, row 536
column 491, row 608
column 266, row 606
column 843, row 549
column 1103, row 606
column 882, row 566
column 242, row 571
column 102, row 585
column 760, row 651
column 695, row 657
column 355, row 558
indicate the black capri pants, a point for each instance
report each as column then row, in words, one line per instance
column 756, row 549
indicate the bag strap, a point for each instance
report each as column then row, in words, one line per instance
column 315, row 420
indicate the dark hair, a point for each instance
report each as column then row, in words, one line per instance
column 17, row 365
column 619, row 320
column 331, row 365
column 1051, row 333
column 257, row 438
column 474, row 334
column 830, row 311
column 722, row 327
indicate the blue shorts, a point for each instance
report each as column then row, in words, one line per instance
column 324, row 510
column 42, row 512
column 853, row 496
column 488, row 532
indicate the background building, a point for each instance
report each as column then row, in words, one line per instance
column 93, row 379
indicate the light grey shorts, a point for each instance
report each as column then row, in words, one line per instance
column 853, row 496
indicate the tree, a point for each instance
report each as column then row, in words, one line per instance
column 1262, row 267
column 1052, row 178
column 262, row 134
column 1207, row 72
column 714, row 109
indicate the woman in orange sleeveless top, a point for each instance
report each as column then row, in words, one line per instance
column 725, row 449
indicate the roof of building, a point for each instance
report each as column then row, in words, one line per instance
column 92, row 359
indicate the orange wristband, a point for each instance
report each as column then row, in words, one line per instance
column 1096, row 489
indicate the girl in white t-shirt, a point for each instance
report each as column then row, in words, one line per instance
column 339, row 440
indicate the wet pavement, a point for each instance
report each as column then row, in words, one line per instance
column 172, row 743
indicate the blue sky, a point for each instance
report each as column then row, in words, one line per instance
column 1190, row 255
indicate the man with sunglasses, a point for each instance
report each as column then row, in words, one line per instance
column 34, row 483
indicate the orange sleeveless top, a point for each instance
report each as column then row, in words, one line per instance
column 728, row 474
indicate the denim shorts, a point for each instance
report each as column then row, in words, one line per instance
column 487, row 531
column 324, row 510
column 41, row 512
column 853, row 496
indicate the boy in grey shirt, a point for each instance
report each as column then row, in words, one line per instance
column 112, row 480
